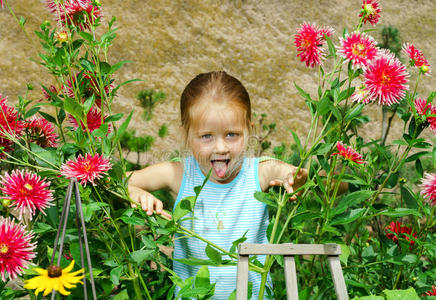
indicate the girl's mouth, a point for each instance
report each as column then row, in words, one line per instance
column 220, row 166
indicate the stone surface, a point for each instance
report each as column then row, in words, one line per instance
column 170, row 41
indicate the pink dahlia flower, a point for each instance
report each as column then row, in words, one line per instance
column 10, row 124
column 47, row 96
column 41, row 132
column 27, row 191
column 431, row 292
column 359, row 48
column 370, row 11
column 348, row 153
column 385, row 79
column 432, row 120
column 1, row 3
column 16, row 248
column 360, row 95
column 86, row 169
column 80, row 13
column 309, row 41
column 396, row 230
column 422, row 106
column 93, row 120
column 428, row 188
column 88, row 87
column 416, row 58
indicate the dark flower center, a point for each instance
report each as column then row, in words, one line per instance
column 54, row 271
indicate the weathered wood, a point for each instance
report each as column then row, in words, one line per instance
column 289, row 249
column 242, row 279
column 338, row 277
column 291, row 278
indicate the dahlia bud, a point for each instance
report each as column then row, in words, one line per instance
column 424, row 69
column 6, row 202
column 62, row 36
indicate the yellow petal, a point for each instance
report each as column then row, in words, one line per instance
column 69, row 268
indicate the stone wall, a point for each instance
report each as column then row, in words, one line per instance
column 170, row 41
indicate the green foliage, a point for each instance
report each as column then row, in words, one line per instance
column 148, row 100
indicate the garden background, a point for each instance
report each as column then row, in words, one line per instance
column 171, row 41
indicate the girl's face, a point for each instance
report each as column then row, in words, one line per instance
column 217, row 138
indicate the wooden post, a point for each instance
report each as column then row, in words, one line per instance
column 291, row 278
column 242, row 279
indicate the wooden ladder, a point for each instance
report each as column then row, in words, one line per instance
column 289, row 251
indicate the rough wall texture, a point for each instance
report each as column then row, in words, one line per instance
column 170, row 41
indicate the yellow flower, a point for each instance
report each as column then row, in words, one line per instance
column 54, row 278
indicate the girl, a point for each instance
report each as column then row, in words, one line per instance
column 216, row 121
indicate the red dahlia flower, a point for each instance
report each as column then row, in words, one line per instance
column 27, row 191
column 428, row 188
column 348, row 153
column 41, row 132
column 431, row 292
column 86, row 169
column 359, row 48
column 385, row 79
column 370, row 11
column 309, row 41
column 10, row 124
column 80, row 13
column 93, row 120
column 396, row 230
column 416, row 58
column 16, row 249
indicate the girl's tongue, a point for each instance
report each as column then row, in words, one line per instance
column 220, row 167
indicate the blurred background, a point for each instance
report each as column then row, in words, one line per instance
column 171, row 41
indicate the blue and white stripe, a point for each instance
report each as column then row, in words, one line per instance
column 223, row 213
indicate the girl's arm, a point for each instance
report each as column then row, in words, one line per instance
column 158, row 176
column 276, row 172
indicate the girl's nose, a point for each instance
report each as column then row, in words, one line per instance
column 221, row 146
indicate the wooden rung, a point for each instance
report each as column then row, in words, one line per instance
column 289, row 249
column 291, row 278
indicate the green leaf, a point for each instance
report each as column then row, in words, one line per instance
column 409, row 294
column 183, row 207
column 417, row 155
column 192, row 261
column 115, row 275
column 202, row 279
column 213, row 254
column 323, row 106
column 355, row 112
column 86, row 36
column 123, row 295
column 73, row 107
column 332, row 48
column 48, row 117
column 89, row 209
column 371, row 297
column 114, row 118
column 87, row 65
column 322, row 149
column 265, row 198
column 419, row 169
column 31, row 112
column 123, row 127
column 140, row 255
column 118, row 65
column 133, row 220
column 408, row 198
column 297, row 140
column 88, row 104
column 348, row 217
column 345, row 253
column 400, row 212
column 351, row 200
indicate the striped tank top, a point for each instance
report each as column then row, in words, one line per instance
column 223, row 212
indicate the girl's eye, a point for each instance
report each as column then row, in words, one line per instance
column 232, row 134
column 206, row 136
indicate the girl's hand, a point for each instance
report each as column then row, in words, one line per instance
column 290, row 184
column 148, row 202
